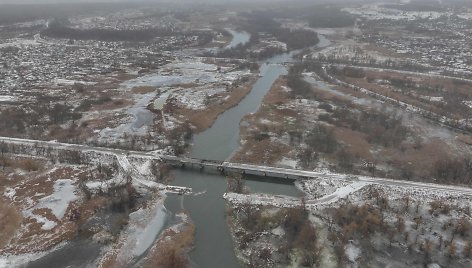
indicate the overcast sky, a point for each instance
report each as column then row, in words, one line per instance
column 172, row 1
column 61, row 1
column 55, row 1
column 95, row 1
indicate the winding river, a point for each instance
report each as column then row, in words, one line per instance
column 213, row 242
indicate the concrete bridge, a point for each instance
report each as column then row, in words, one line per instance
column 228, row 167
column 32, row 147
column 35, row 147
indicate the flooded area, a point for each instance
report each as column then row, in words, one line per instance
column 140, row 116
column 239, row 38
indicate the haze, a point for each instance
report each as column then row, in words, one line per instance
column 235, row 133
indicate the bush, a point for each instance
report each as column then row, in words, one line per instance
column 294, row 222
column 172, row 258
column 261, row 136
column 453, row 170
column 322, row 139
column 353, row 72
column 326, row 106
column 10, row 220
column 326, row 118
column 235, row 183
column 29, row 165
column 299, row 86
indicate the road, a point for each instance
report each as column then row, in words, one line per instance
column 378, row 69
column 242, row 168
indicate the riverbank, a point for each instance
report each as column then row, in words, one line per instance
column 203, row 119
column 141, row 231
column 257, row 145
column 173, row 246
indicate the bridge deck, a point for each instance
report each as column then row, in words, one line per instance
column 276, row 172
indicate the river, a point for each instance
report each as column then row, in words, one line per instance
column 213, row 242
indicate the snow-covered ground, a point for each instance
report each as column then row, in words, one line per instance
column 468, row 103
column 376, row 12
column 59, row 200
column 262, row 200
column 287, row 162
column 163, row 97
column 433, row 99
column 139, row 119
column 341, row 192
column 352, row 252
column 143, row 228
column 189, row 82
column 19, row 43
column 67, row 82
column 46, row 224
column 4, row 98
column 196, row 98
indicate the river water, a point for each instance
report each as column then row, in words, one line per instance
column 213, row 243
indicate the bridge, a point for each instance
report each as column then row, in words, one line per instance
column 245, row 169
column 181, row 162
column 29, row 147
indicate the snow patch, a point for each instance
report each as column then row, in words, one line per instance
column 58, row 201
column 279, row 231
column 4, row 98
column 19, row 43
column 287, row 162
column 10, row 193
column 67, row 82
column 3, row 263
column 432, row 99
column 468, row 103
column 96, row 187
column 143, row 228
column 352, row 252
column 341, row 192
column 138, row 125
column 47, row 224
column 145, row 237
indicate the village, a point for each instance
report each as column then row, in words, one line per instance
column 230, row 136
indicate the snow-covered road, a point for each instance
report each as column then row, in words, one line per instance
column 243, row 168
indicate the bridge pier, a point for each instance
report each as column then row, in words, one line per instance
column 221, row 170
